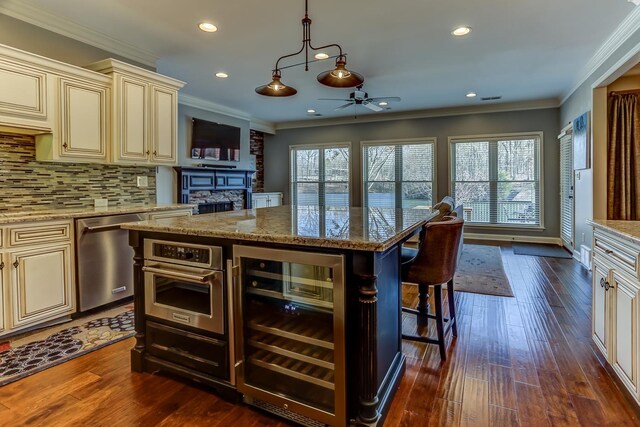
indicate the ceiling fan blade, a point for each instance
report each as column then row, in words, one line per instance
column 371, row 106
column 333, row 99
column 342, row 107
column 386, row 98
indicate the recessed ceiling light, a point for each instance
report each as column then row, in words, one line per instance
column 222, row 75
column 461, row 31
column 311, row 111
column 471, row 95
column 321, row 55
column 382, row 104
column 207, row 27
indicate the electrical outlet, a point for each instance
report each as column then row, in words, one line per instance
column 582, row 237
column 143, row 181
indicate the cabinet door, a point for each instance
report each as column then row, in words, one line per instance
column 260, row 201
column 41, row 284
column 625, row 330
column 275, row 199
column 164, row 118
column 22, row 93
column 3, row 267
column 83, row 119
column 131, row 124
column 600, row 307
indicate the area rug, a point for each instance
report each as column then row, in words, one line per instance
column 536, row 249
column 480, row 271
column 31, row 357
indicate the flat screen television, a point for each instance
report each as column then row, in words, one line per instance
column 214, row 141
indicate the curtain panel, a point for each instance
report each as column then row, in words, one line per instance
column 623, row 177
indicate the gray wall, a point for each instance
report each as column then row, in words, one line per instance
column 579, row 102
column 166, row 182
column 276, row 151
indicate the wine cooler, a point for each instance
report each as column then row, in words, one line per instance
column 290, row 333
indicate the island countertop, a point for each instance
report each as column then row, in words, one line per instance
column 627, row 230
column 351, row 228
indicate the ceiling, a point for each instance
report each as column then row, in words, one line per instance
column 520, row 50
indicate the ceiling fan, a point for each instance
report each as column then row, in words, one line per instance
column 360, row 97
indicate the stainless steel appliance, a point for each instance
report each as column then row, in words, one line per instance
column 289, row 311
column 184, row 283
column 104, row 260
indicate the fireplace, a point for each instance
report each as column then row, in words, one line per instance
column 214, row 190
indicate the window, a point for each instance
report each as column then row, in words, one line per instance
column 398, row 174
column 498, row 179
column 320, row 175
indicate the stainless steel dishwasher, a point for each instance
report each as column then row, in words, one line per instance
column 104, row 259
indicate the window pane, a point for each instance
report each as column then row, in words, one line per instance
column 474, row 196
column 307, row 194
column 381, row 195
column 417, row 162
column 416, row 194
column 308, row 221
column 337, row 223
column 517, row 203
column 336, row 164
column 472, row 161
column 516, row 160
column 307, row 165
column 381, row 162
column 336, row 194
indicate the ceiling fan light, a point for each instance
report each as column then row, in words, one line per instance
column 276, row 87
column 340, row 76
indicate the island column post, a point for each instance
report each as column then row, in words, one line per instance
column 137, row 352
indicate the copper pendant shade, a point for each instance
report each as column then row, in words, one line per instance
column 339, row 77
column 276, row 87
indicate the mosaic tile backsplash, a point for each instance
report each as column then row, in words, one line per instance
column 29, row 185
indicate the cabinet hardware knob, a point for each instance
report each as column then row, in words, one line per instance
column 155, row 153
column 608, row 251
column 64, row 145
column 147, row 152
column 602, row 282
column 607, row 286
column 16, row 264
column 1, row 265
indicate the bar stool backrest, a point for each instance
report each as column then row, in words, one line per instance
column 437, row 257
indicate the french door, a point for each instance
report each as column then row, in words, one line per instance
column 566, row 190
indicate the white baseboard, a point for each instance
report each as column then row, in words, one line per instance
column 512, row 238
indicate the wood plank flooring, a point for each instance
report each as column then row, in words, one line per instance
column 523, row 361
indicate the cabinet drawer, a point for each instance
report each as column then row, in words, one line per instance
column 39, row 233
column 168, row 214
column 616, row 252
column 197, row 352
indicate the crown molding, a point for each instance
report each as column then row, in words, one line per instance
column 28, row 13
column 212, row 107
column 423, row 114
column 622, row 33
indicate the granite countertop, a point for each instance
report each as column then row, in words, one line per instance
column 367, row 229
column 83, row 212
column 627, row 230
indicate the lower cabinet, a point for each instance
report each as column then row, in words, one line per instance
column 2, row 294
column 41, row 284
column 266, row 200
column 624, row 357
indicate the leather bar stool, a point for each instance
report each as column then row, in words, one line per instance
column 434, row 265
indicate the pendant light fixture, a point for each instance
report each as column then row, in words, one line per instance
column 338, row 77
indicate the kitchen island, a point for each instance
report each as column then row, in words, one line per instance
column 299, row 309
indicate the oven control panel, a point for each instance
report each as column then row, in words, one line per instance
column 190, row 254
column 182, row 253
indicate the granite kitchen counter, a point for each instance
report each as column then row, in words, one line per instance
column 366, row 229
column 83, row 212
column 627, row 230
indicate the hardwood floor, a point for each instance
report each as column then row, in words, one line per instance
column 527, row 360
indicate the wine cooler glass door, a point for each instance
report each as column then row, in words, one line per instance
column 292, row 330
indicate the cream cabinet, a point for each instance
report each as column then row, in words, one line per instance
column 616, row 304
column 144, row 112
column 37, row 280
column 266, row 200
column 169, row 214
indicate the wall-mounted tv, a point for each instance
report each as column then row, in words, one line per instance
column 214, row 141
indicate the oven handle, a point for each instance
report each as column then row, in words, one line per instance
column 179, row 275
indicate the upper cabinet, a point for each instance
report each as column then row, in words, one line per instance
column 144, row 114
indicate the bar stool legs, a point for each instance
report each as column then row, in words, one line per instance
column 452, row 307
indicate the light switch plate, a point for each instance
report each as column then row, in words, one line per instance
column 143, row 181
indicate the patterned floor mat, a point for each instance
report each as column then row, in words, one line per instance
column 27, row 359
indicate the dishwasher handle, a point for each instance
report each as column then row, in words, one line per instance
column 105, row 227
column 179, row 275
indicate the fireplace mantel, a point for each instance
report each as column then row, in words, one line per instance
column 194, row 179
